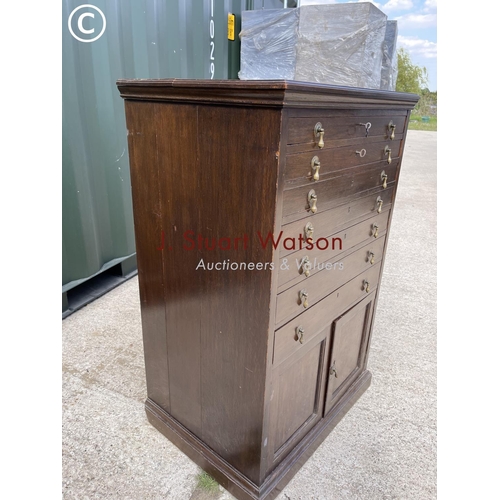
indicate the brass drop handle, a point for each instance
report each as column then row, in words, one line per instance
column 387, row 152
column 319, row 131
column 305, row 266
column 303, row 298
column 333, row 370
column 361, row 153
column 371, row 257
column 374, row 230
column 392, row 130
column 312, row 198
column 309, row 231
column 383, row 175
column 367, row 126
column 380, row 202
column 299, row 332
column 366, row 286
column 315, row 166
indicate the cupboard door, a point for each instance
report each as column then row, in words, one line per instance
column 298, row 395
column 350, row 337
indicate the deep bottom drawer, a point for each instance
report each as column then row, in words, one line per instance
column 313, row 321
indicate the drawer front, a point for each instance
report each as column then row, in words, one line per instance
column 314, row 319
column 293, row 302
column 330, row 193
column 300, row 169
column 341, row 127
column 343, row 241
column 330, row 221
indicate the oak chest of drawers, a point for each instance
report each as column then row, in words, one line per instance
column 262, row 212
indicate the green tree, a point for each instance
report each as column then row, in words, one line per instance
column 411, row 77
column 427, row 104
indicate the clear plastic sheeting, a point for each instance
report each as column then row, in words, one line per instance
column 341, row 44
column 389, row 71
column 268, row 44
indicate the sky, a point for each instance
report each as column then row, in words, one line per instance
column 417, row 29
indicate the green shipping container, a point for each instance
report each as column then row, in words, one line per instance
column 103, row 42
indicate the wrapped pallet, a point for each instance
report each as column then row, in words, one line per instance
column 339, row 44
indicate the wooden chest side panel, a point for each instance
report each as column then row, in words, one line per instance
column 229, row 181
column 176, row 129
column 144, row 171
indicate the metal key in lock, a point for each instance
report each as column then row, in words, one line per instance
column 333, row 370
column 367, row 126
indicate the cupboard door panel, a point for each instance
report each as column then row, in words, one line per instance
column 350, row 336
column 298, row 394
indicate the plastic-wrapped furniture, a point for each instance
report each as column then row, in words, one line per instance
column 389, row 70
column 341, row 44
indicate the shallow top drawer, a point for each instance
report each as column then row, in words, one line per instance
column 339, row 130
column 306, row 168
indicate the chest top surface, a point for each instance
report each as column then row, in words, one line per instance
column 272, row 93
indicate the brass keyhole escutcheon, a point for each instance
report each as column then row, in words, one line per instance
column 374, row 230
column 366, row 286
column 387, row 152
column 305, row 266
column 371, row 258
column 333, row 370
column 380, row 202
column 384, row 176
column 309, row 231
column 312, row 198
column 319, row 131
column 315, row 166
column 299, row 332
column 303, row 298
column 392, row 130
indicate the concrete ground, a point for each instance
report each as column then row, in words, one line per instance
column 385, row 448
